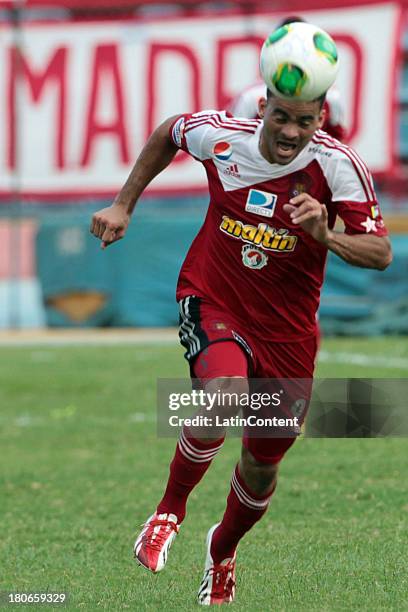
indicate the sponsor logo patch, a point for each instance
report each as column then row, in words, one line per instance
column 232, row 170
column 222, row 150
column 261, row 203
column 262, row 235
column 219, row 326
column 319, row 150
column 178, row 129
column 253, row 258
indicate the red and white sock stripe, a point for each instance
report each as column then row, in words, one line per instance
column 195, row 454
column 244, row 497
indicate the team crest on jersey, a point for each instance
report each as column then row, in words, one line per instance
column 253, row 258
column 301, row 183
column 261, row 203
column 298, row 188
column 222, row 150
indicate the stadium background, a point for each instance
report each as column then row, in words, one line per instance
column 85, row 82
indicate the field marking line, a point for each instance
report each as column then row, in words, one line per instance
column 362, row 359
column 27, row 419
column 166, row 336
column 89, row 337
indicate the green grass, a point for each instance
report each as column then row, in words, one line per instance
column 82, row 468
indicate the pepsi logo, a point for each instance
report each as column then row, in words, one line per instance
column 222, row 150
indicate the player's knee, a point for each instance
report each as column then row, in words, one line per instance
column 260, row 477
column 228, row 393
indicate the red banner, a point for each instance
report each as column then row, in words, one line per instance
column 80, row 98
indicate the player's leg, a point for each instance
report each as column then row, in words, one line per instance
column 255, row 477
column 252, row 486
column 222, row 366
column 197, row 446
column 253, row 483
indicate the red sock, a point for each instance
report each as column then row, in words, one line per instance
column 191, row 461
column 243, row 510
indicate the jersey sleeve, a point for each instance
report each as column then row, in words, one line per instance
column 362, row 218
column 194, row 133
column 354, row 195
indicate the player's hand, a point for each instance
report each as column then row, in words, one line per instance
column 110, row 224
column 310, row 214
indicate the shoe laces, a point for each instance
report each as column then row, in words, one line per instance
column 156, row 538
column 223, row 582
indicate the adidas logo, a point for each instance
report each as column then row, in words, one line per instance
column 232, row 170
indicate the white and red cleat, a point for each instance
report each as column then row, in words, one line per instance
column 218, row 583
column 152, row 545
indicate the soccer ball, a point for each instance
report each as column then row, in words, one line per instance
column 299, row 61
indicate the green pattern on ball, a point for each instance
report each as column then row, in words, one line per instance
column 277, row 35
column 289, row 80
column 326, row 46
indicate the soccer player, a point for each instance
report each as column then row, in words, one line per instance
column 249, row 289
column 246, row 103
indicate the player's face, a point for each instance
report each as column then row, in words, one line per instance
column 287, row 127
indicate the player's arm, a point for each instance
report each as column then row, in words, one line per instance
column 363, row 250
column 110, row 224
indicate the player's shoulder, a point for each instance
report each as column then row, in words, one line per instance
column 327, row 143
column 346, row 173
column 219, row 121
column 330, row 149
column 212, row 132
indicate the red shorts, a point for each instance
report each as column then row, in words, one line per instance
column 218, row 347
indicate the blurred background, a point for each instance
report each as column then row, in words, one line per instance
column 84, row 82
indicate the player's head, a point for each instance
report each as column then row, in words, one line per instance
column 288, row 125
column 291, row 19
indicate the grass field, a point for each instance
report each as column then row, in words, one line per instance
column 82, row 468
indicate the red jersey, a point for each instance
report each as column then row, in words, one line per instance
column 249, row 258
